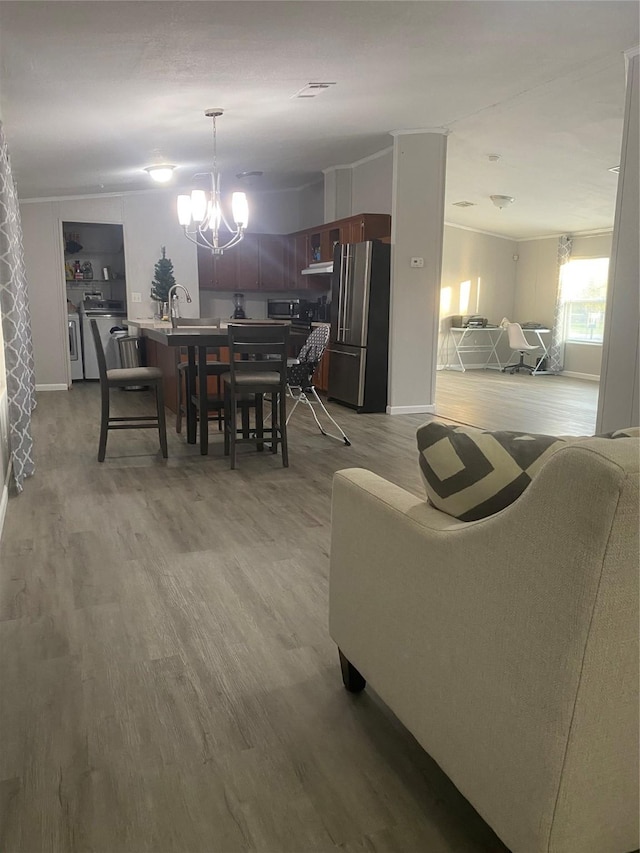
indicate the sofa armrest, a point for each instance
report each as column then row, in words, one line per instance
column 475, row 634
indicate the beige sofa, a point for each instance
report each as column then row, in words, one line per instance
column 507, row 646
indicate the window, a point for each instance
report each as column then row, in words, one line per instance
column 584, row 294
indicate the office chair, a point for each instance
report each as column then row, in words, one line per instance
column 300, row 379
column 128, row 377
column 519, row 343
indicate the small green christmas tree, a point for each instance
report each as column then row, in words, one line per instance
column 163, row 280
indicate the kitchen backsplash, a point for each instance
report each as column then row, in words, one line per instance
column 255, row 305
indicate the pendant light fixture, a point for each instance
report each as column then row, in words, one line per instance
column 201, row 213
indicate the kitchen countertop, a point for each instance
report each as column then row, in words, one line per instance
column 165, row 324
column 149, row 324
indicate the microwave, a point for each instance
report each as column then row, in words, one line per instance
column 285, row 309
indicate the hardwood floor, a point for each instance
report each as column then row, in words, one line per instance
column 168, row 681
column 554, row 405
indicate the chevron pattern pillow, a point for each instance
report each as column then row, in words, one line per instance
column 471, row 473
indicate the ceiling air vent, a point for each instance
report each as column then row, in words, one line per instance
column 464, row 203
column 311, row 90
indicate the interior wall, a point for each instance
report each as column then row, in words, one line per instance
column 310, row 207
column 149, row 223
column 536, row 291
column 619, row 399
column 478, row 277
column 372, row 184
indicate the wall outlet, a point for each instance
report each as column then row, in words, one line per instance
column 417, row 262
column 136, row 297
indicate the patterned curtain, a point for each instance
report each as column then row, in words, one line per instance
column 556, row 350
column 16, row 324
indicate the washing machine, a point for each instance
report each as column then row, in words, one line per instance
column 107, row 313
column 75, row 347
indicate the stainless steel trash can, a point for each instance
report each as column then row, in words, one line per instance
column 129, row 349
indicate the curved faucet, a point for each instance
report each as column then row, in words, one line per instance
column 174, row 301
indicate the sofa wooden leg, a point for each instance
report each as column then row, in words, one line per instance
column 351, row 678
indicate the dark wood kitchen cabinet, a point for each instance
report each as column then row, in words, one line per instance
column 273, row 260
column 247, row 258
column 258, row 262
column 365, row 226
column 217, row 272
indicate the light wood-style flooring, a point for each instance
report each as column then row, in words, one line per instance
column 553, row 405
column 167, row 681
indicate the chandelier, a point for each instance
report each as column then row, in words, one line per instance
column 201, row 213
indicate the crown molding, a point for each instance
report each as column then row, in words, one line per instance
column 480, row 231
column 442, row 131
column 360, row 162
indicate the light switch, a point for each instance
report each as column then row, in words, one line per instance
column 417, row 262
column 136, row 297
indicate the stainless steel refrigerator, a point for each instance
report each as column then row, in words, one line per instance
column 359, row 343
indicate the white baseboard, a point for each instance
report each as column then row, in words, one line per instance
column 411, row 410
column 455, row 368
column 4, row 499
column 57, row 386
column 592, row 377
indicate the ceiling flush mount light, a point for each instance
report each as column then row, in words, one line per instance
column 502, row 200
column 161, row 172
column 463, row 203
column 201, row 214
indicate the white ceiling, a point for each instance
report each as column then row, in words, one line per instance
column 91, row 92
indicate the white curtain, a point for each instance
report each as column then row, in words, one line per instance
column 556, row 350
column 16, row 324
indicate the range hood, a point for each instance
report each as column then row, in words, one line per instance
column 323, row 268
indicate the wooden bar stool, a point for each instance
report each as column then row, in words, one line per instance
column 257, row 366
column 128, row 377
column 215, row 402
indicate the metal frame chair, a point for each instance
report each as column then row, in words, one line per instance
column 127, row 377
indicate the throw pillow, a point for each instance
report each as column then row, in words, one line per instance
column 627, row 432
column 472, row 473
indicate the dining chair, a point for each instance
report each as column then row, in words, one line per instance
column 519, row 343
column 257, row 366
column 215, row 367
column 127, row 377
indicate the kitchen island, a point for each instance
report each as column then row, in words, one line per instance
column 156, row 354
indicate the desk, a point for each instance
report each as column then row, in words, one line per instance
column 461, row 339
column 196, row 339
column 462, row 343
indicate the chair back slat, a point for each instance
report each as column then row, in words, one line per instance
column 102, row 361
column 268, row 344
